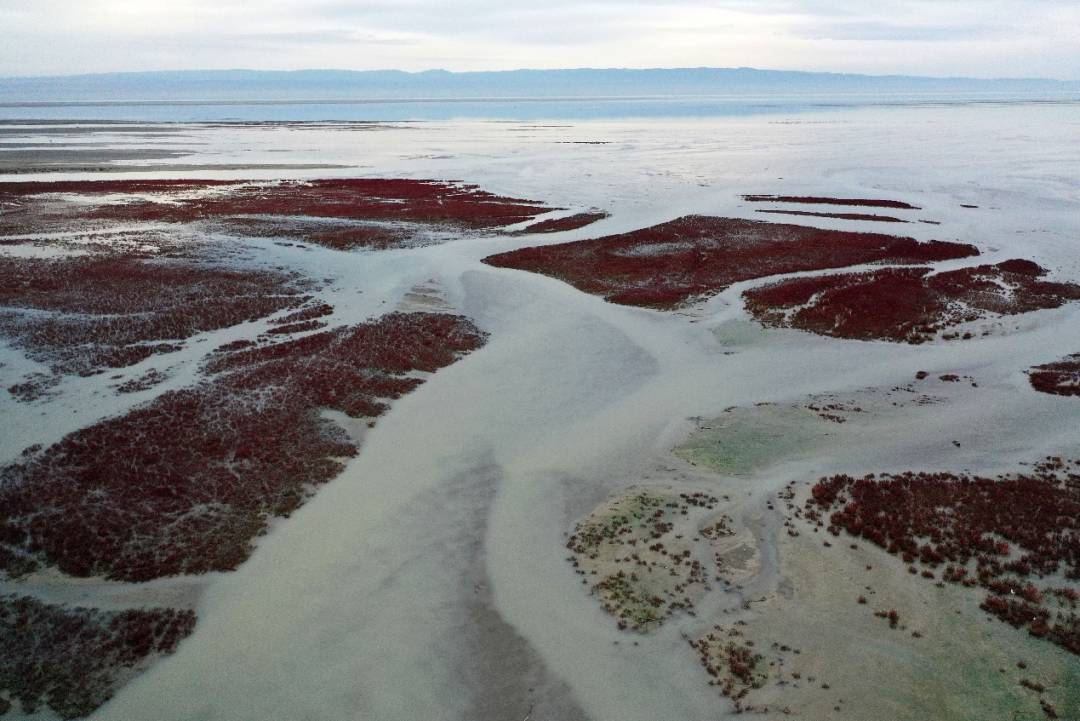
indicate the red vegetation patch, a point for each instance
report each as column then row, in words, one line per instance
column 839, row 216
column 1061, row 378
column 368, row 199
column 184, row 483
column 83, row 314
column 337, row 213
column 891, row 616
column 905, row 305
column 814, row 200
column 144, row 382
column 989, row 532
column 732, row 663
column 371, row 236
column 571, row 222
column 300, row 327
column 670, row 264
column 337, row 236
column 23, row 210
column 72, row 659
column 83, row 187
column 310, row 312
column 34, row 386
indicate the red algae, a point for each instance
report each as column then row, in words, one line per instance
column 906, row 304
column 674, row 263
column 183, row 484
column 839, row 216
column 84, row 314
column 72, row 659
column 994, row 533
column 816, row 200
column 1060, row 378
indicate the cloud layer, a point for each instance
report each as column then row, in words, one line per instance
column 980, row 38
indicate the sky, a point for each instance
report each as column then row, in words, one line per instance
column 976, row 38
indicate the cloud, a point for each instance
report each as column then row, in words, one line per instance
column 886, row 31
column 969, row 37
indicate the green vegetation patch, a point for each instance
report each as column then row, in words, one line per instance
column 747, row 440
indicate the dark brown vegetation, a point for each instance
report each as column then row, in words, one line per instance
column 71, row 659
column 838, row 216
column 184, row 483
column 14, row 190
column 1060, row 378
column 731, row 662
column 122, row 305
column 906, row 304
column 570, row 222
column 146, row 381
column 34, row 386
column 994, row 533
column 271, row 208
column 37, row 207
column 357, row 198
column 639, row 532
column 85, row 314
column 667, row 265
column 343, row 235
column 817, row 200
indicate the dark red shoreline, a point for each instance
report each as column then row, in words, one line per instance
column 818, row 200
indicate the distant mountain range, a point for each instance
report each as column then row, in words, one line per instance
column 359, row 86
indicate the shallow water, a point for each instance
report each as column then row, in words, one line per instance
column 512, row 108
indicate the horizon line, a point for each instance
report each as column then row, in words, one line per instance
column 208, row 102
column 429, row 71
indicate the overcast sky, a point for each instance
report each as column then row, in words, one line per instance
column 981, row 38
